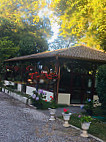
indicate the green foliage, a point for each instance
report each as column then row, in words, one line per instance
column 89, row 106
column 84, row 118
column 53, row 104
column 22, row 31
column 82, row 19
column 101, row 85
column 7, row 48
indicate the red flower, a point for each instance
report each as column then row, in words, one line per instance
column 45, row 100
column 38, row 76
column 65, row 110
column 51, row 97
column 36, row 72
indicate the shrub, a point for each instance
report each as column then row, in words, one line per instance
column 101, row 85
column 89, row 106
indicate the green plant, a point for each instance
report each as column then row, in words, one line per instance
column 84, row 118
column 53, row 103
column 1, row 83
column 89, row 106
column 101, row 85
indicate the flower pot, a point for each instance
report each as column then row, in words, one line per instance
column 41, row 81
column 85, row 126
column 66, row 118
column 52, row 113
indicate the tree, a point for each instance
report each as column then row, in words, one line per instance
column 101, row 85
column 7, row 49
column 83, row 19
column 21, row 23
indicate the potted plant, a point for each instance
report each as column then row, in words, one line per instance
column 52, row 108
column 85, row 124
column 66, row 116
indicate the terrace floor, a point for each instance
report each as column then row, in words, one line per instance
column 21, row 123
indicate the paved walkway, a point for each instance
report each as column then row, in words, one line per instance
column 20, row 123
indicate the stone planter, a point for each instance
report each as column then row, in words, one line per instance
column 52, row 113
column 85, row 126
column 3, row 90
column 66, row 118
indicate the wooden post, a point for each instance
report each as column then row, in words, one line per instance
column 57, row 69
column 71, row 86
column 93, row 84
column 82, row 87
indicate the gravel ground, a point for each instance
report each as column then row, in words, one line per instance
column 72, row 109
column 20, row 123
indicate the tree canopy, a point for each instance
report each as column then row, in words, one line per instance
column 84, row 20
column 22, row 27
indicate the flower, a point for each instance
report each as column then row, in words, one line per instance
column 52, row 102
column 37, row 98
column 33, row 96
column 79, row 116
column 84, row 118
column 81, row 106
column 66, row 111
column 45, row 100
column 40, row 91
column 89, row 100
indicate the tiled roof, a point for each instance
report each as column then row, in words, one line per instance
column 78, row 52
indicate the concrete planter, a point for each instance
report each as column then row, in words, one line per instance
column 6, row 91
column 29, row 102
column 66, row 118
column 85, row 126
column 16, row 96
column 52, row 113
column 3, row 90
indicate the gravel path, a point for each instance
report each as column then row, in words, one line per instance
column 20, row 123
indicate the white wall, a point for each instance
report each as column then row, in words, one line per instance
column 29, row 90
column 19, row 87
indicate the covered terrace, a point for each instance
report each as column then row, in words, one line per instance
column 75, row 66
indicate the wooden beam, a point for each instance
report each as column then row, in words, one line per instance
column 57, row 69
column 71, row 86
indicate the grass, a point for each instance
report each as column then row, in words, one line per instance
column 97, row 127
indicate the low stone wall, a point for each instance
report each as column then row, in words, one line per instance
column 17, row 96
